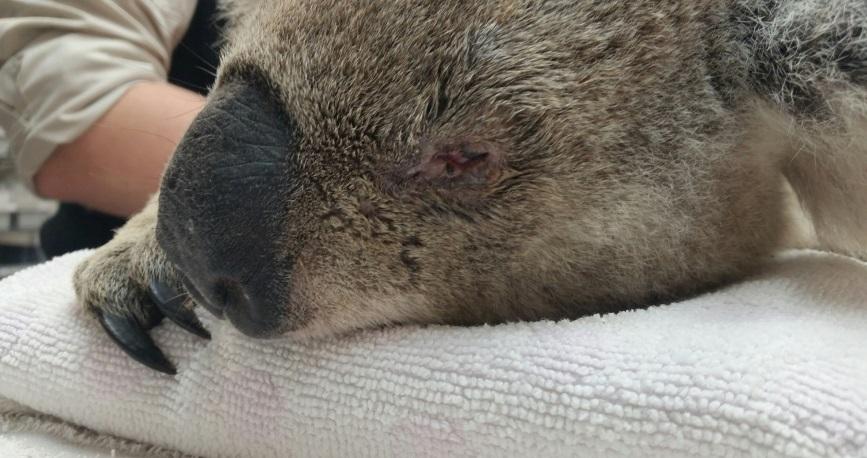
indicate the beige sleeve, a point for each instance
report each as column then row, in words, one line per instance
column 63, row 64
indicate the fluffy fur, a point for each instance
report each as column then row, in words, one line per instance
column 641, row 153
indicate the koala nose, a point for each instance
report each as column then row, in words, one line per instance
column 216, row 294
column 222, row 207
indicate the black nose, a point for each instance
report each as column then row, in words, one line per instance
column 222, row 207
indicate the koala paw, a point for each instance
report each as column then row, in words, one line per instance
column 130, row 288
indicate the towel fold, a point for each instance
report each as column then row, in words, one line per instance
column 773, row 366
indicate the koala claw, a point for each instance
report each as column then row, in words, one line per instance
column 131, row 337
column 171, row 304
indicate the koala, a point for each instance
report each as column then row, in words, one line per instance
column 361, row 164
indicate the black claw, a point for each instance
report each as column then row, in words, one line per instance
column 128, row 334
column 172, row 305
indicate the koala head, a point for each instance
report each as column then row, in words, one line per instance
column 361, row 163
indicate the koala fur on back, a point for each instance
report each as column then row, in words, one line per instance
column 610, row 155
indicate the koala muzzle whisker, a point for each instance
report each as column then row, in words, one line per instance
column 200, row 299
column 173, row 307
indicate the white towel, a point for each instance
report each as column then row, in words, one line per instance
column 773, row 366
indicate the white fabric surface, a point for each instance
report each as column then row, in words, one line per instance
column 773, row 366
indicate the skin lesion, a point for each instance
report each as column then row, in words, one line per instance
column 456, row 164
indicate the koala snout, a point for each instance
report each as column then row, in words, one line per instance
column 222, row 209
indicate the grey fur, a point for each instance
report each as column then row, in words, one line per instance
column 641, row 152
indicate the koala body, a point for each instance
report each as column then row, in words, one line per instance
column 462, row 162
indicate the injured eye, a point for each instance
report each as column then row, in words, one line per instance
column 458, row 162
column 453, row 164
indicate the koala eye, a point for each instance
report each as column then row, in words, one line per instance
column 459, row 163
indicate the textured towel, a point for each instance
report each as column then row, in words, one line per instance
column 773, row 366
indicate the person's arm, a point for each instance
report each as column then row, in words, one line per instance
column 84, row 80
column 117, row 163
